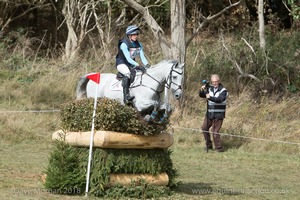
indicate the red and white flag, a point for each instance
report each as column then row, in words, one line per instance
column 94, row 77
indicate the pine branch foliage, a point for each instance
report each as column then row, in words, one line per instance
column 67, row 170
column 110, row 116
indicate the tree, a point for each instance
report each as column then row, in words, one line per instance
column 82, row 18
column 293, row 7
column 178, row 17
column 12, row 10
column 176, row 49
column 261, row 21
column 77, row 17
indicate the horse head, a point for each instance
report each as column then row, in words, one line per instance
column 175, row 80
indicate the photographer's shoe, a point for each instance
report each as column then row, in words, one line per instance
column 208, row 148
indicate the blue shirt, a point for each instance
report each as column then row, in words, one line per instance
column 133, row 54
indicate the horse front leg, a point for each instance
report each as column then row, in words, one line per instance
column 165, row 107
column 156, row 114
column 152, row 117
column 166, row 112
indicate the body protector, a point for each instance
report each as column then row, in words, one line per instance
column 216, row 104
column 134, row 49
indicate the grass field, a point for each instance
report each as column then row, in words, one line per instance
column 235, row 174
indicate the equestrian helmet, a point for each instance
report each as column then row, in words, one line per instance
column 131, row 30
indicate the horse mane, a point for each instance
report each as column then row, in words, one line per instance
column 164, row 62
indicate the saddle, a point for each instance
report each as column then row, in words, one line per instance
column 116, row 84
column 119, row 76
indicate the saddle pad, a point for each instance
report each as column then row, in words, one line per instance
column 116, row 85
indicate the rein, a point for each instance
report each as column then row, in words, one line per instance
column 168, row 85
column 160, row 84
column 141, row 83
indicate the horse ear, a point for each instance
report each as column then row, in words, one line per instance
column 181, row 65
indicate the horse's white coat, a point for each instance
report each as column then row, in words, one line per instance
column 146, row 88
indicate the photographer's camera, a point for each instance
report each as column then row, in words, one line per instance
column 206, row 83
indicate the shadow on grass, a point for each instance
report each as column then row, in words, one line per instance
column 233, row 143
column 203, row 189
column 234, row 139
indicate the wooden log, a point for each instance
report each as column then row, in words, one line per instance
column 115, row 140
column 127, row 179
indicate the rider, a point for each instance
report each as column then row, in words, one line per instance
column 128, row 49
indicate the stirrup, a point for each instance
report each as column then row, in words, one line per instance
column 130, row 98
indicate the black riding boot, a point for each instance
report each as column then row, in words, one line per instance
column 126, row 84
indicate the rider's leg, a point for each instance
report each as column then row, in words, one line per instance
column 123, row 69
column 126, row 84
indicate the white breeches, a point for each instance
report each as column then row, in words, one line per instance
column 123, row 69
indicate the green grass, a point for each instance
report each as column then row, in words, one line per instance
column 235, row 174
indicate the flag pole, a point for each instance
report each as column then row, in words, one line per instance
column 92, row 138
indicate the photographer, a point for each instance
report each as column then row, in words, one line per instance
column 216, row 106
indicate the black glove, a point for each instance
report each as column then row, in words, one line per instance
column 147, row 66
column 141, row 68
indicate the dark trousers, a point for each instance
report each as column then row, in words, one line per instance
column 215, row 125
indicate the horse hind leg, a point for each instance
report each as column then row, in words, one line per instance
column 82, row 95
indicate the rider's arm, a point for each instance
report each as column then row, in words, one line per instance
column 124, row 48
column 142, row 55
column 202, row 93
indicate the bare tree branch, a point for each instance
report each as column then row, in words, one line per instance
column 146, row 15
column 158, row 5
column 120, row 20
column 100, row 23
column 77, row 18
column 206, row 20
column 249, row 45
column 237, row 66
column 10, row 19
column 245, row 75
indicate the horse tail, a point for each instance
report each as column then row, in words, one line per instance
column 81, row 88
